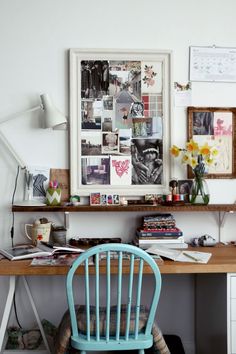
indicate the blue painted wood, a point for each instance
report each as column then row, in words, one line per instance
column 129, row 301
column 87, row 298
column 129, row 340
column 97, row 297
column 138, row 299
column 108, row 295
column 119, row 287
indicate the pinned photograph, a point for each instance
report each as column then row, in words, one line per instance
column 125, row 141
column 95, row 170
column 91, row 143
column 107, row 124
column 91, row 114
column 137, row 110
column 147, row 163
column 107, row 103
column 110, row 143
column 142, row 127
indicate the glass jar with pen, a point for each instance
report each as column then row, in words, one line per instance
column 53, row 194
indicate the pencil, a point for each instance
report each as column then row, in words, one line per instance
column 191, row 257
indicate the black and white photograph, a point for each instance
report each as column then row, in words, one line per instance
column 107, row 103
column 91, row 119
column 137, row 110
column 94, row 78
column 107, row 124
column 203, row 123
column 116, row 199
column 91, row 143
column 147, row 163
column 95, row 170
column 110, row 143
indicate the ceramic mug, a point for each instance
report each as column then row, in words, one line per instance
column 39, row 232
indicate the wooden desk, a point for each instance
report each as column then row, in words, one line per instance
column 210, row 280
column 223, row 260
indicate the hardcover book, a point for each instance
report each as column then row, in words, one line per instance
column 159, row 232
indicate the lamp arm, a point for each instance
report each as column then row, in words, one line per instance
column 14, row 115
column 4, row 140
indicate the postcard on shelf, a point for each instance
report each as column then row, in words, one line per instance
column 62, row 176
column 180, row 256
column 30, row 251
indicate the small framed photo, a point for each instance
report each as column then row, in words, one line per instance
column 109, row 199
column 103, row 199
column 184, row 187
column 95, row 199
column 116, row 199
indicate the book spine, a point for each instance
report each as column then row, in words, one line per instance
column 158, row 233
column 153, row 241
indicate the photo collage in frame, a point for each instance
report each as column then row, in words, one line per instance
column 121, row 132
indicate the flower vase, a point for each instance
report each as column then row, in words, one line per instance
column 199, row 192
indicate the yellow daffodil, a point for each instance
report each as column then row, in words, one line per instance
column 205, row 150
column 192, row 146
column 175, row 151
column 195, row 155
column 193, row 162
column 185, row 159
column 214, row 151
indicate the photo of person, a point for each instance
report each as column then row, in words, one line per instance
column 137, row 109
column 146, row 161
column 184, row 187
column 94, row 78
column 203, row 123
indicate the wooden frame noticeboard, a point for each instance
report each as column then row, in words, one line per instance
column 215, row 126
column 120, row 111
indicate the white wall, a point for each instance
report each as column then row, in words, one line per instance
column 35, row 37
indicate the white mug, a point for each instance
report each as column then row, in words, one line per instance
column 39, row 232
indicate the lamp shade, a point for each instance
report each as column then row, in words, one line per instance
column 52, row 117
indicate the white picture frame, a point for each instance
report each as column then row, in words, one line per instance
column 108, row 118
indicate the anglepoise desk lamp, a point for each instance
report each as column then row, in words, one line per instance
column 52, row 119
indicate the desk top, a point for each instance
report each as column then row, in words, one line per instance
column 223, row 260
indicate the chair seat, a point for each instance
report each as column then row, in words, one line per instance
column 80, row 342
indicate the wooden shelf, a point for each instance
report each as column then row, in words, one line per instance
column 129, row 208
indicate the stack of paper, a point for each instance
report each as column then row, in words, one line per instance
column 180, row 256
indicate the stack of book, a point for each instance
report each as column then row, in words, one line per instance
column 159, row 229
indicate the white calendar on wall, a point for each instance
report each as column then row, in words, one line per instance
column 212, row 64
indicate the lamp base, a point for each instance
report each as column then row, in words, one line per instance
column 29, row 203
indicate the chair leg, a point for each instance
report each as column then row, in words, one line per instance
column 141, row 351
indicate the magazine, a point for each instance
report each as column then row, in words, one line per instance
column 29, row 251
column 180, row 256
column 58, row 260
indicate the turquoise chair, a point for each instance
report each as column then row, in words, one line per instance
column 95, row 338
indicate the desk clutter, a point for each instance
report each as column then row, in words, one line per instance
column 159, row 229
